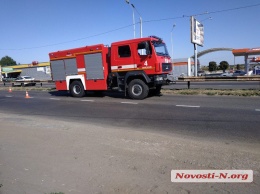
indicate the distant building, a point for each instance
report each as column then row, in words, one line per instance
column 40, row 71
column 183, row 67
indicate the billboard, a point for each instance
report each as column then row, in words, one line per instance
column 197, row 32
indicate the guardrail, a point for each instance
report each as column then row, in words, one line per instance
column 41, row 82
column 217, row 78
column 180, row 79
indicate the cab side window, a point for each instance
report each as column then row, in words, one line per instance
column 144, row 48
column 124, row 51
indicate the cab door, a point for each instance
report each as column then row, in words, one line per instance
column 144, row 56
column 123, row 58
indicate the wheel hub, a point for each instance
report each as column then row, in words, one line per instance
column 137, row 89
column 76, row 89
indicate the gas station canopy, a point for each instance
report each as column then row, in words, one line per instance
column 246, row 51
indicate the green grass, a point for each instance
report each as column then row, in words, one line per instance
column 213, row 92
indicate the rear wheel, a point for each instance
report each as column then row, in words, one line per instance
column 138, row 89
column 77, row 89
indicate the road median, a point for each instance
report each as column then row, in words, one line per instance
column 27, row 88
column 213, row 92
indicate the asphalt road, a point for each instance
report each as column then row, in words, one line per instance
column 53, row 142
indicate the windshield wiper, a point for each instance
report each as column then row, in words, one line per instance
column 160, row 53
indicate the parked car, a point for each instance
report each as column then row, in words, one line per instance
column 201, row 73
column 226, row 74
column 24, row 81
column 239, row 73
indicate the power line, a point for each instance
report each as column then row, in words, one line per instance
column 91, row 36
column 204, row 13
column 120, row 28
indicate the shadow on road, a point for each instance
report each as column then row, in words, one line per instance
column 100, row 94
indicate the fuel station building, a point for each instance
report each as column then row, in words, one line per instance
column 247, row 53
column 40, row 71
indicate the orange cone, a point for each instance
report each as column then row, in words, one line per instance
column 27, row 95
column 10, row 89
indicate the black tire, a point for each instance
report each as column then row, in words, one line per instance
column 77, row 89
column 138, row 89
column 156, row 91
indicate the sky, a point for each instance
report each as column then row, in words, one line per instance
column 31, row 29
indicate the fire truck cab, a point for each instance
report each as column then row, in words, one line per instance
column 134, row 66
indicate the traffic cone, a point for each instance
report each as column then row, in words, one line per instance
column 10, row 89
column 27, row 95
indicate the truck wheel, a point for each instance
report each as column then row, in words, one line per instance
column 77, row 89
column 137, row 89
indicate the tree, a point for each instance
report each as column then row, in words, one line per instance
column 223, row 65
column 212, row 66
column 7, row 61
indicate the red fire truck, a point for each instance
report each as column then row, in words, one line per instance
column 134, row 66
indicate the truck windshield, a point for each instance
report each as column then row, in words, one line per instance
column 160, row 48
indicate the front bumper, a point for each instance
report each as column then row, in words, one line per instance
column 160, row 79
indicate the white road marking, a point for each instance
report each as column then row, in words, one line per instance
column 54, row 98
column 188, row 106
column 257, row 109
column 129, row 102
column 87, row 100
column 8, row 96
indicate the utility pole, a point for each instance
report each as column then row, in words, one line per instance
column 140, row 18
column 172, row 38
